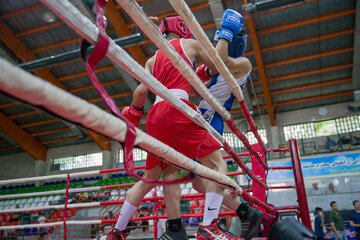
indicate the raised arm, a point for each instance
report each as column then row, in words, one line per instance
column 239, row 66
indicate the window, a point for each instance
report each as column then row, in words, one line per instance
column 325, row 128
column 138, row 155
column 322, row 128
column 299, row 131
column 235, row 142
column 79, row 161
column 348, row 124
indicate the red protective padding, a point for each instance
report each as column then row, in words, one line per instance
column 259, row 171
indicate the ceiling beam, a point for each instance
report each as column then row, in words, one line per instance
column 309, row 57
column 305, row 22
column 306, row 73
column 310, row 72
column 23, row 53
column 38, row 29
column 302, row 100
column 57, row 45
column 48, row 132
column 307, row 87
column 3, row 149
column 64, row 139
column 261, row 69
column 91, row 87
column 113, row 96
column 304, row 41
column 314, row 98
column 38, row 123
column 10, row 104
column 22, row 138
column 22, row 11
column 24, row 114
column 93, row 100
column 84, row 74
column 356, row 55
column 283, row 8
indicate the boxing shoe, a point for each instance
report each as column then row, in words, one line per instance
column 231, row 24
column 169, row 235
column 250, row 223
column 214, row 232
column 116, row 235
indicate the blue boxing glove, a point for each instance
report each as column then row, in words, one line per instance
column 231, row 24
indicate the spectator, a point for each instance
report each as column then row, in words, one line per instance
column 354, row 140
column 41, row 219
column 336, row 222
column 145, row 223
column 16, row 217
column 331, row 188
column 99, row 234
column 344, row 140
column 161, row 224
column 49, row 212
column 315, row 190
column 106, row 230
column 330, row 144
column 100, row 196
column 319, row 224
column 355, row 218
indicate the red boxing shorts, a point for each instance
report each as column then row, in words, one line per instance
column 167, row 124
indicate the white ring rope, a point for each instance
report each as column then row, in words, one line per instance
column 51, row 177
column 85, row 28
column 152, row 31
column 61, row 206
column 54, row 224
column 15, row 82
column 184, row 11
column 54, row 192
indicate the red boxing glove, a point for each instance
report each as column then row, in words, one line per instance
column 133, row 114
column 203, row 73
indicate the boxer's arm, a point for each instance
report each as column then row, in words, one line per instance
column 141, row 92
column 239, row 67
column 193, row 50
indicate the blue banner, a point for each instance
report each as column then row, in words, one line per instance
column 319, row 166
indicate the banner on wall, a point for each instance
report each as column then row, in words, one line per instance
column 319, row 166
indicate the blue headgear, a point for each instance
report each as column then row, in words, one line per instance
column 237, row 46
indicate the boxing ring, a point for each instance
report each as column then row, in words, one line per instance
column 41, row 94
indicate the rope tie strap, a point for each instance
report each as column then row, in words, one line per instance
column 90, row 64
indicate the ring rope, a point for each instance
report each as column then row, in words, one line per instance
column 184, row 11
column 15, row 81
column 90, row 64
column 149, row 28
column 84, row 27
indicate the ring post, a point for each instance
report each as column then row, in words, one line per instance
column 299, row 182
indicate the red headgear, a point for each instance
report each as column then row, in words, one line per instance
column 176, row 25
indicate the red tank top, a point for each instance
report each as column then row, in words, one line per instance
column 166, row 73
